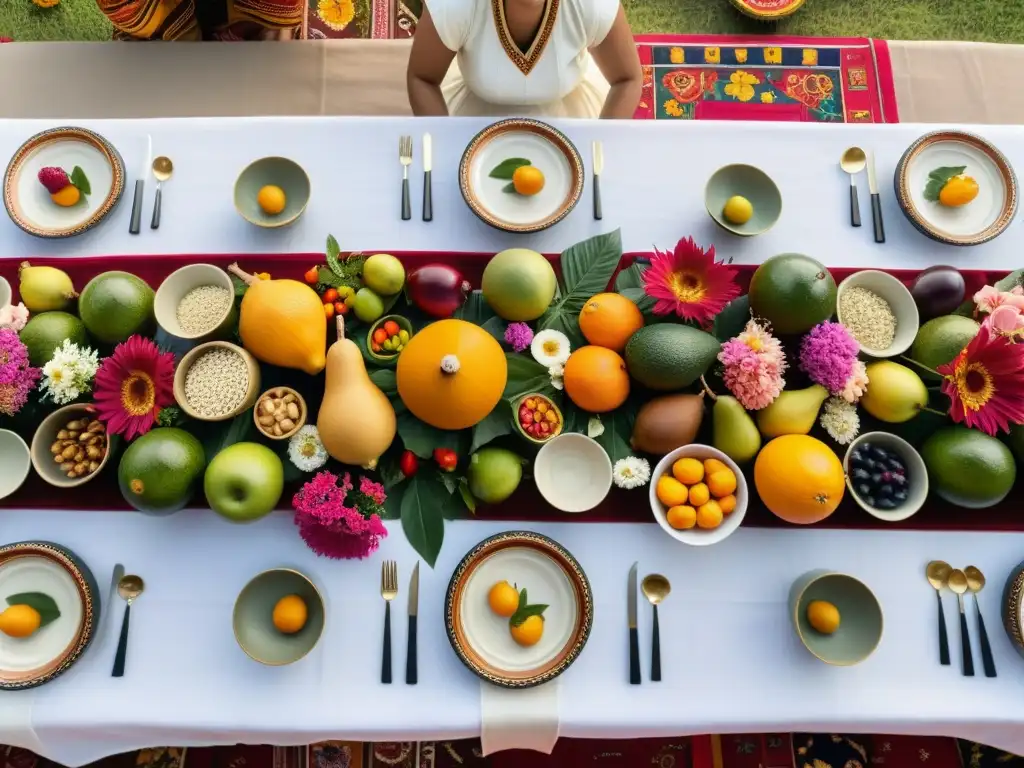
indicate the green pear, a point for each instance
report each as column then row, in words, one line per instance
column 733, row 432
column 895, row 393
column 793, row 412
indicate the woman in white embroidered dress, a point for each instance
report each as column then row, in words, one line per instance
column 557, row 58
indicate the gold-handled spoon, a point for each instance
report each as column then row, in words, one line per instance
column 937, row 573
column 958, row 583
column 129, row 588
column 162, row 170
column 655, row 588
column 853, row 162
column 976, row 583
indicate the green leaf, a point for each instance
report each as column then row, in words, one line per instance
column 467, row 496
column 422, row 507
column 44, row 605
column 475, row 309
column 506, row 168
column 509, row 189
column 240, row 286
column 385, row 380
column 618, row 428
column 393, row 503
column 389, row 470
column 587, row 268
column 333, row 253
column 223, row 434
column 630, row 277
column 326, row 277
column 496, row 327
column 639, row 297
column 524, row 610
column 497, row 423
column 421, row 438
column 732, row 319
column 1011, row 281
column 937, row 180
column 80, row 180
column 525, row 376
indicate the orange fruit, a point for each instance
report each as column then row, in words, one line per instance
column 271, row 199
column 799, row 478
column 959, row 190
column 709, row 515
column 67, row 197
column 670, row 491
column 688, row 471
column 823, row 616
column 609, row 319
column 681, row 517
column 722, row 483
column 20, row 620
column 503, row 599
column 528, row 180
column 727, row 504
column 595, row 378
column 714, row 465
column 529, row 632
column 290, row 614
column 699, row 494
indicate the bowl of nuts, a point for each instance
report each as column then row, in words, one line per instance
column 216, row 381
column 70, row 446
column 280, row 413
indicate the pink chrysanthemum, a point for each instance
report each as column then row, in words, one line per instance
column 337, row 522
column 990, row 297
column 519, row 336
column 17, row 376
column 754, row 363
column 689, row 282
column 828, row 354
column 132, row 385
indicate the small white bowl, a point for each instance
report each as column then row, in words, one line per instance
column 699, row 537
column 898, row 297
column 177, row 285
column 917, row 491
column 5, row 292
column 15, row 459
column 572, row 472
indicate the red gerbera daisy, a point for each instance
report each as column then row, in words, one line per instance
column 689, row 282
column 985, row 383
column 132, row 385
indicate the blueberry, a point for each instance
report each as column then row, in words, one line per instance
column 877, row 478
column 898, row 481
column 868, row 464
column 885, row 491
column 895, row 465
column 886, row 504
column 887, row 477
column 879, row 454
column 869, row 500
column 861, row 474
column 900, row 495
column 856, row 456
column 863, row 489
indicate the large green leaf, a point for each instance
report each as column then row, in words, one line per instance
column 475, row 309
column 423, row 503
column 732, row 319
column 630, row 284
column 44, row 605
column 1011, row 281
column 526, row 376
column 421, row 438
column 497, row 424
column 496, row 327
column 385, row 380
column 587, row 268
column 216, row 436
column 618, row 427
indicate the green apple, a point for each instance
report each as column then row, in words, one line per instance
column 244, row 482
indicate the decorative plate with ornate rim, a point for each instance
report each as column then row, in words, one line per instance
column 980, row 220
column 1013, row 608
column 40, row 566
column 547, row 149
column 551, row 575
column 29, row 204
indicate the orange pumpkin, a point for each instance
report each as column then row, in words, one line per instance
column 451, row 374
column 799, row 478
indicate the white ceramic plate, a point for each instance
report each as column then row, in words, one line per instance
column 572, row 472
column 980, row 220
column 29, row 204
column 546, row 149
column 551, row 576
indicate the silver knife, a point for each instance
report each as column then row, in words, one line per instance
column 414, row 608
column 876, row 201
column 597, row 152
column 107, row 609
column 428, row 162
column 634, row 638
column 140, row 187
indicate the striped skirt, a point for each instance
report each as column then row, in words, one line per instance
column 202, row 19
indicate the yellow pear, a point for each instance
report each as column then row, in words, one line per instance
column 793, row 412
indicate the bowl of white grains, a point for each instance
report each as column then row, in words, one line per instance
column 878, row 311
column 196, row 302
column 280, row 413
column 216, row 381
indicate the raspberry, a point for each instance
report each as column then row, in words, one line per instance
column 54, row 179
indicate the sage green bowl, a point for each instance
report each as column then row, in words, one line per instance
column 751, row 183
column 277, row 171
column 253, row 617
column 860, row 617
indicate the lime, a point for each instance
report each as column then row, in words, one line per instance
column 116, row 305
column 367, row 305
column 494, row 474
column 384, row 274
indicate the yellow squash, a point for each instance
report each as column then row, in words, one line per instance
column 282, row 323
column 356, row 420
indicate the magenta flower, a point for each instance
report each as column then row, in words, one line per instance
column 754, row 363
column 828, row 354
column 337, row 522
column 519, row 336
column 17, row 376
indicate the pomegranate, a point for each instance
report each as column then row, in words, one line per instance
column 437, row 289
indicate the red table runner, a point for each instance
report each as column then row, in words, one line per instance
column 620, row 506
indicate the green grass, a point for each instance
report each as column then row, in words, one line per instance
column 985, row 20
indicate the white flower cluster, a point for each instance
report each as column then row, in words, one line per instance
column 306, row 450
column 69, row 373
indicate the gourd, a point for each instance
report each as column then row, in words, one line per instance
column 356, row 420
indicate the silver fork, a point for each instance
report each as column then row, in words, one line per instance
column 389, row 591
column 405, row 155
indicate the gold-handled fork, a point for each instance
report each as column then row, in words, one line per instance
column 389, row 591
column 405, row 156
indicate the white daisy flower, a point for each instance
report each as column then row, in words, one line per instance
column 595, row 427
column 550, row 347
column 631, row 472
column 69, row 373
column 556, row 372
column 840, row 419
column 305, row 449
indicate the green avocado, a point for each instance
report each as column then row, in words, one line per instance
column 160, row 471
column 793, row 293
column 968, row 468
column 669, row 356
column 47, row 331
column 116, row 305
column 940, row 340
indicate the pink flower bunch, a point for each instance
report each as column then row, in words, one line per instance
column 17, row 376
column 519, row 336
column 989, row 298
column 754, row 362
column 338, row 522
column 828, row 355
column 1006, row 320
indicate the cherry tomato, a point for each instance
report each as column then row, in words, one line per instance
column 312, row 276
column 330, row 296
column 328, row 311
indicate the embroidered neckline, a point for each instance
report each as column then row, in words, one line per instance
column 525, row 61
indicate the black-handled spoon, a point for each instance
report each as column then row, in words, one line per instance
column 655, row 588
column 976, row 583
column 853, row 162
column 129, row 588
column 958, row 583
column 938, row 573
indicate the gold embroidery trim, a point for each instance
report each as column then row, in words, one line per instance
column 524, row 61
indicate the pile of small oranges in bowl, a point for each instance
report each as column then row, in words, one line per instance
column 698, row 494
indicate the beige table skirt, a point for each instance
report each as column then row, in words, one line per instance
column 935, row 82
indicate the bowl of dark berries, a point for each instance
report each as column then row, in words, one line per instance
column 886, row 476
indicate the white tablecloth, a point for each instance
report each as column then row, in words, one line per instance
column 731, row 661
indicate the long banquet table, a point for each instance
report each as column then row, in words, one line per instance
column 731, row 661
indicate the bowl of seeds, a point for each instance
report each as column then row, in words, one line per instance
column 879, row 312
column 216, row 381
column 70, row 446
column 196, row 302
column 280, row 413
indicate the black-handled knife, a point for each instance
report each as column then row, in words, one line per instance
column 411, row 671
column 876, row 201
column 597, row 153
column 634, row 638
column 428, row 161
column 135, row 225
